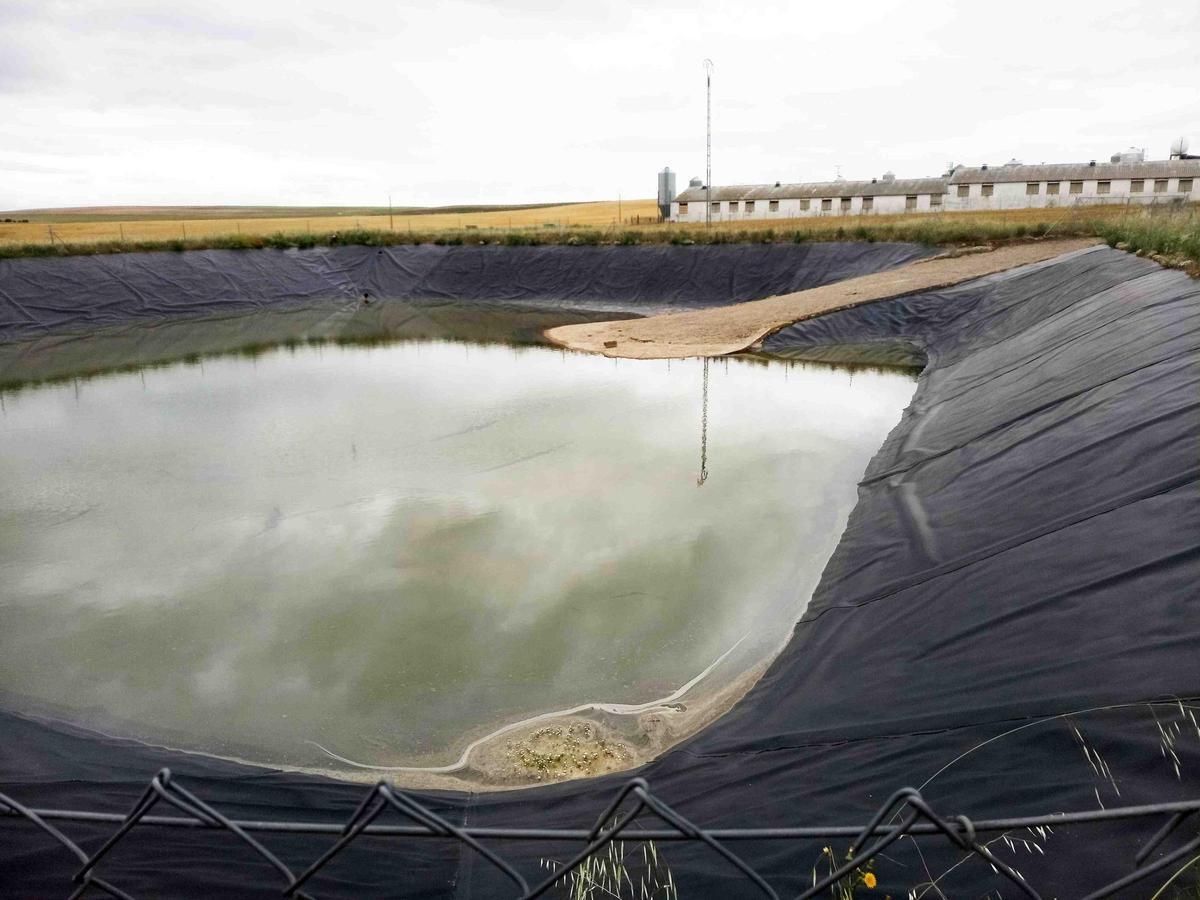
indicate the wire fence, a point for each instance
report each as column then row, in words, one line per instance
column 905, row 814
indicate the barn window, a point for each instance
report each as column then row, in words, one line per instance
column 987, row 190
column 683, row 209
column 1103, row 187
column 868, row 204
column 715, row 206
column 910, row 202
column 845, row 204
column 964, row 190
column 1185, row 185
column 773, row 206
column 749, row 206
column 805, row 203
column 1137, row 185
column 935, row 199
column 1032, row 189
column 1051, row 187
column 1160, row 185
column 826, row 204
column 1076, row 187
column 733, row 206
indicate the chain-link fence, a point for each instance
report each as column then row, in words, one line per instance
column 905, row 814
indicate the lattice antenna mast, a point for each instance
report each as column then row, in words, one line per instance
column 708, row 70
column 703, row 477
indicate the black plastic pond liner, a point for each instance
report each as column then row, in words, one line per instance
column 1010, row 623
column 89, row 292
column 82, row 316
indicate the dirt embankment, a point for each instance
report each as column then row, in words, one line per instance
column 729, row 329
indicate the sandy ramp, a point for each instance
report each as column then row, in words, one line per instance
column 728, row 329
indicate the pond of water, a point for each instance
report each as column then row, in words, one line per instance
column 390, row 551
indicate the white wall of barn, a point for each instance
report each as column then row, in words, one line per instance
column 794, row 208
column 1015, row 195
column 1005, row 195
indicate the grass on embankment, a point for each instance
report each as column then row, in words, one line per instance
column 1171, row 237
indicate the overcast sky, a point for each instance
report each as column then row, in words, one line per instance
column 460, row 101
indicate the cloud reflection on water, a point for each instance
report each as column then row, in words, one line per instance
column 386, row 549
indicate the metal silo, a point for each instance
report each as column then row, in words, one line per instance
column 666, row 191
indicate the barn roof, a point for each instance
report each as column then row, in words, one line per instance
column 1103, row 171
column 817, row 190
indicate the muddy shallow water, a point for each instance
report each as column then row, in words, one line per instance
column 381, row 554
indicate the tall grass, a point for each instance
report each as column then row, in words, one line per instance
column 1172, row 237
column 1176, row 238
column 619, row 873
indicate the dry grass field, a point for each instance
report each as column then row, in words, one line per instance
column 1169, row 233
column 1065, row 218
column 135, row 224
column 54, row 215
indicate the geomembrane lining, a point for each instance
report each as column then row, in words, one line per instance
column 1008, row 624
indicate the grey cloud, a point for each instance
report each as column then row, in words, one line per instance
column 659, row 145
column 34, row 169
column 14, row 12
column 652, row 102
column 134, row 21
column 21, row 68
column 524, row 100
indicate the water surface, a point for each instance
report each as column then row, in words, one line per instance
column 389, row 550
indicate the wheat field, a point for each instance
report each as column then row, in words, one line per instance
column 120, row 227
column 1171, row 232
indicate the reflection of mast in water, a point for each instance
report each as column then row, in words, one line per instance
column 704, row 429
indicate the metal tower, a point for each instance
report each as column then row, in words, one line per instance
column 708, row 70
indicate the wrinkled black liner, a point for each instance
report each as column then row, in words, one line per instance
column 89, row 292
column 1026, row 544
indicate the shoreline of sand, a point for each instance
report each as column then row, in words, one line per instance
column 722, row 330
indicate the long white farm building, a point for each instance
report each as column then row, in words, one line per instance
column 1127, row 178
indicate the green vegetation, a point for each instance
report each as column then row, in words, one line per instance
column 846, row 887
column 618, row 872
column 1174, row 238
column 565, row 751
column 1170, row 238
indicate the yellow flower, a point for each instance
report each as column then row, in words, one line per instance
column 869, row 880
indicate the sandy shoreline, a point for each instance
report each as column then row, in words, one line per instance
column 551, row 748
column 547, row 751
column 729, row 329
